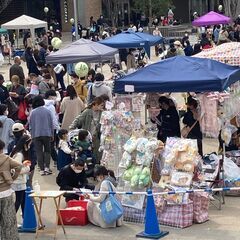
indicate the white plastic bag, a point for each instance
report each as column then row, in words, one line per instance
column 231, row 170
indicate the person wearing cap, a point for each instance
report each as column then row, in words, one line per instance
column 179, row 49
column 19, row 151
column 20, row 134
column 79, row 86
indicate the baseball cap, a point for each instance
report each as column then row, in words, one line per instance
column 17, row 127
column 177, row 43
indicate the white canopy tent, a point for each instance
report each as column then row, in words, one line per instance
column 25, row 22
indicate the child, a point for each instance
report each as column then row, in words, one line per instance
column 83, row 144
column 19, row 153
column 85, row 151
column 64, row 152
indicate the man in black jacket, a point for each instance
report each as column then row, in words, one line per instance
column 16, row 69
column 73, row 177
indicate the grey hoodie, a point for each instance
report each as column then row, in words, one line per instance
column 98, row 89
column 6, row 134
column 50, row 105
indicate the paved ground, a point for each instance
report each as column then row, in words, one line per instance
column 222, row 225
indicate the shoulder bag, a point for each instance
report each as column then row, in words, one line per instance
column 111, row 208
column 186, row 130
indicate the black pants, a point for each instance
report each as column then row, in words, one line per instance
column 200, row 147
column 43, row 151
column 20, row 201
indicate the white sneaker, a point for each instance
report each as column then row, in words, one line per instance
column 47, row 171
column 42, row 173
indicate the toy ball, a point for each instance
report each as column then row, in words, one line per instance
column 81, row 69
column 56, row 42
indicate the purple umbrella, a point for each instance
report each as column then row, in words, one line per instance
column 211, row 18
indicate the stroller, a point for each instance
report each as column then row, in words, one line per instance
column 86, row 155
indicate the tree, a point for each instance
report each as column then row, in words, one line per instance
column 155, row 7
column 232, row 8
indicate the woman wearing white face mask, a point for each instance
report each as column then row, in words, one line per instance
column 71, row 178
column 6, row 124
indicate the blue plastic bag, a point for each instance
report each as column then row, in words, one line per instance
column 111, row 208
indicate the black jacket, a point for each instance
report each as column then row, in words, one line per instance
column 4, row 95
column 15, row 69
column 67, row 179
column 168, row 124
column 189, row 121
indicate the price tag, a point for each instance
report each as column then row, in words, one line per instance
column 129, row 88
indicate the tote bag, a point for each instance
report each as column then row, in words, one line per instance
column 111, row 208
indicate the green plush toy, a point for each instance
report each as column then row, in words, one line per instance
column 137, row 171
column 128, row 174
column 134, row 181
column 144, row 178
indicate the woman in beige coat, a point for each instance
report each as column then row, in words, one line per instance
column 94, row 212
column 71, row 107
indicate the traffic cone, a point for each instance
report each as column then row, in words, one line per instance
column 152, row 229
column 29, row 220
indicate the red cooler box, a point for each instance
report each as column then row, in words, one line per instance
column 73, row 216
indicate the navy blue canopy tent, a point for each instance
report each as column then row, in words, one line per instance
column 131, row 39
column 180, row 74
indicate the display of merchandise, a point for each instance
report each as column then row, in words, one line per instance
column 133, row 102
column 209, row 121
column 116, row 128
column 180, row 157
column 136, row 166
column 137, row 159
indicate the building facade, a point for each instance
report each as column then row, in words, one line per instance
column 184, row 9
column 85, row 9
column 60, row 10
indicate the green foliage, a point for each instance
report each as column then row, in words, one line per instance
column 159, row 7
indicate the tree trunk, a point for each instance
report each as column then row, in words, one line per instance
column 232, row 8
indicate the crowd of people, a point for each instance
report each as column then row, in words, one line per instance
column 38, row 112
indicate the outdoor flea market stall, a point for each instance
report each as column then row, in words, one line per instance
column 82, row 50
column 228, row 53
column 211, row 18
column 24, row 22
column 140, row 160
column 131, row 39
